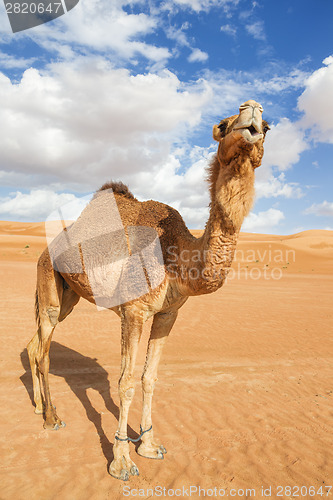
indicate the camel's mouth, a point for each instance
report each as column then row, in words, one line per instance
column 252, row 130
column 251, row 134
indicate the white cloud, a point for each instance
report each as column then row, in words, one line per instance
column 76, row 127
column 10, row 62
column 317, row 104
column 103, row 26
column 269, row 186
column 186, row 191
column 178, row 34
column 263, row 221
column 81, row 125
column 229, row 29
column 201, row 5
column 195, row 218
column 198, row 55
column 285, row 81
column 36, row 205
column 284, row 144
column 321, row 209
column 256, row 30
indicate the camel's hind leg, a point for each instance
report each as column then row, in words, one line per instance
column 69, row 300
column 52, row 421
column 53, row 304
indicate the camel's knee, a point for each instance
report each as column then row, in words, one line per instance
column 126, row 388
column 148, row 383
column 53, row 314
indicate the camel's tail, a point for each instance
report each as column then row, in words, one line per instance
column 37, row 309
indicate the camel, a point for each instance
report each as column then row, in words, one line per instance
column 191, row 266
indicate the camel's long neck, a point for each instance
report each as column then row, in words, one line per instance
column 232, row 198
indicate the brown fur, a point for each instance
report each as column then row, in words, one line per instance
column 118, row 188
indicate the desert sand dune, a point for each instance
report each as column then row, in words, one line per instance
column 245, row 392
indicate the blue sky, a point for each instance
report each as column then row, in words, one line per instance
column 130, row 90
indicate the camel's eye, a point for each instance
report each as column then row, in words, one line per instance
column 266, row 128
column 223, row 128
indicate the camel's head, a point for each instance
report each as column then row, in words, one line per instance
column 242, row 134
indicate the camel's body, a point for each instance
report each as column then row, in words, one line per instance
column 192, row 267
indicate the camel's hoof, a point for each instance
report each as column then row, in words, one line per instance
column 54, row 427
column 122, row 467
column 51, row 427
column 123, row 476
column 150, row 453
column 163, row 450
column 134, row 470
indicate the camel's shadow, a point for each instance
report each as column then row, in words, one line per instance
column 81, row 373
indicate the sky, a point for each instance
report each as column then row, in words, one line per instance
column 130, row 90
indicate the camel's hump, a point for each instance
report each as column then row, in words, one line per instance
column 118, row 188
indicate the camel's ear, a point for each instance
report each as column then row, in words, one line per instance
column 216, row 133
column 220, row 130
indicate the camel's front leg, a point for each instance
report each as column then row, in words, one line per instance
column 162, row 324
column 131, row 328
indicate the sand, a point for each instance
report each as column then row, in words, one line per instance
column 245, row 392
